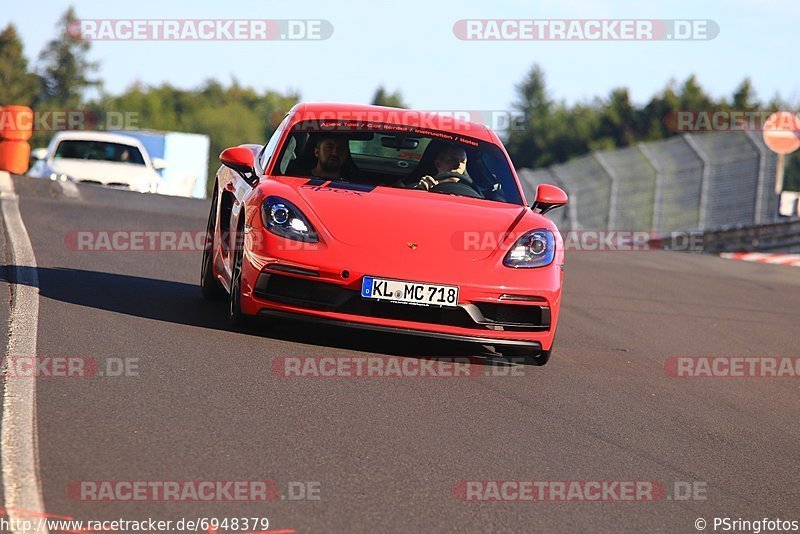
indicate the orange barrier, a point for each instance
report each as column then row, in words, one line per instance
column 14, row 156
column 16, row 123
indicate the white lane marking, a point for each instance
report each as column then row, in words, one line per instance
column 20, row 453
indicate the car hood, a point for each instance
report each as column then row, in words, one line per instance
column 104, row 171
column 387, row 220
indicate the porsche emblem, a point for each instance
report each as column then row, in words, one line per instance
column 411, row 245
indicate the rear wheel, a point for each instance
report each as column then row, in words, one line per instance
column 209, row 285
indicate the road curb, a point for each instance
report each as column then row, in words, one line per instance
column 791, row 260
column 19, row 451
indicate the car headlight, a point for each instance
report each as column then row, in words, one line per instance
column 283, row 218
column 536, row 248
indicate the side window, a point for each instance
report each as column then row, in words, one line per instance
column 269, row 148
column 288, row 154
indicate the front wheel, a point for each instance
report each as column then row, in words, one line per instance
column 235, row 315
column 209, row 285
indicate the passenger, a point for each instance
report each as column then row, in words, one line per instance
column 332, row 154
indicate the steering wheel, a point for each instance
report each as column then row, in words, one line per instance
column 449, row 174
column 463, row 187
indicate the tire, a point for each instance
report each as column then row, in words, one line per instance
column 209, row 285
column 235, row 315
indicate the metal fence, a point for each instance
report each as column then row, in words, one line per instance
column 687, row 182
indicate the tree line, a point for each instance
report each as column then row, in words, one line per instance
column 552, row 132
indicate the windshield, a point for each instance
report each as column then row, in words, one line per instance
column 98, row 151
column 391, row 155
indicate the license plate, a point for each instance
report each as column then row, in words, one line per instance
column 409, row 292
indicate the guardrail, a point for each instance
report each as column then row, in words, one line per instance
column 754, row 238
column 781, row 236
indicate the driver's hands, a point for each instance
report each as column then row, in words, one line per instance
column 429, row 182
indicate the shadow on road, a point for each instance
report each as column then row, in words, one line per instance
column 181, row 303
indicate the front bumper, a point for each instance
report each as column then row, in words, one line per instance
column 298, row 291
column 491, row 311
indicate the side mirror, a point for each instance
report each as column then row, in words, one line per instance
column 241, row 160
column 39, row 154
column 238, row 158
column 549, row 197
column 159, row 164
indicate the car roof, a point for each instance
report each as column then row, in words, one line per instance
column 87, row 135
column 305, row 111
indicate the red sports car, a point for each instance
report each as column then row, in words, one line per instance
column 390, row 220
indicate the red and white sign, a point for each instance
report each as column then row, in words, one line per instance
column 782, row 132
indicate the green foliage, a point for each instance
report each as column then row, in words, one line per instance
column 230, row 116
column 745, row 97
column 17, row 85
column 385, row 98
column 65, row 69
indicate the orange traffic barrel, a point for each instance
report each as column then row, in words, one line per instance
column 14, row 156
column 16, row 123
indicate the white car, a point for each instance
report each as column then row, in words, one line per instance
column 100, row 158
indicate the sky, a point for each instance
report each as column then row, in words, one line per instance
column 410, row 46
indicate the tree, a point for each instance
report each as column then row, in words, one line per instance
column 17, row 85
column 528, row 146
column 384, row 98
column 657, row 115
column 65, row 69
column 693, row 97
column 744, row 98
column 229, row 115
column 620, row 119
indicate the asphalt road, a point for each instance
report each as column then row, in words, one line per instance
column 385, row 454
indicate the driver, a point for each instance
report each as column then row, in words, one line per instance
column 332, row 153
column 451, row 165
